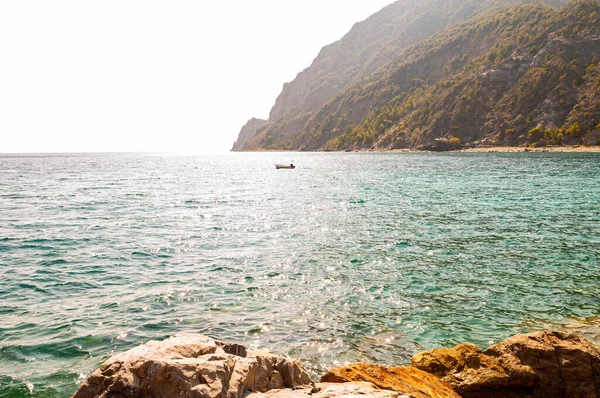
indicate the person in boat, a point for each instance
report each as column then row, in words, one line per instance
column 292, row 166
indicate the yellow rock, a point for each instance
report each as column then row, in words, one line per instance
column 405, row 380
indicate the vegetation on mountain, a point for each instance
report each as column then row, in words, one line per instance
column 526, row 75
column 371, row 44
column 368, row 46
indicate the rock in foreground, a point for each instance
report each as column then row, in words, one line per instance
column 329, row 390
column 545, row 364
column 536, row 365
column 402, row 379
column 188, row 365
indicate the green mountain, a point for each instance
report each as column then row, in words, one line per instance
column 371, row 44
column 490, row 80
column 524, row 75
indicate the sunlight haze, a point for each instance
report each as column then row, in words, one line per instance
column 153, row 75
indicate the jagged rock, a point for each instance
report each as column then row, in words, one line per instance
column 328, row 390
column 402, row 379
column 190, row 365
column 536, row 365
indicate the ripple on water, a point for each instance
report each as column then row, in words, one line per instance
column 352, row 257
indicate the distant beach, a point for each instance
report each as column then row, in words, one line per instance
column 512, row 149
column 563, row 148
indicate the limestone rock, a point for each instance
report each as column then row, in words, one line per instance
column 402, row 379
column 543, row 364
column 329, row 390
column 189, row 365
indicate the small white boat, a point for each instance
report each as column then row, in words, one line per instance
column 285, row 166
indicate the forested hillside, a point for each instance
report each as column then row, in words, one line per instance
column 522, row 75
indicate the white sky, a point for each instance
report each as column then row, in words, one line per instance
column 144, row 75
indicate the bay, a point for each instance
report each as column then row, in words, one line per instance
column 351, row 256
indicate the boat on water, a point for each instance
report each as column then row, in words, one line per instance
column 285, row 166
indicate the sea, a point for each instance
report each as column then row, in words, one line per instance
column 349, row 257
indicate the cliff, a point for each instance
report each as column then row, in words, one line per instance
column 369, row 46
column 248, row 132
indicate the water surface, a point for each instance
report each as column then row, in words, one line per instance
column 349, row 257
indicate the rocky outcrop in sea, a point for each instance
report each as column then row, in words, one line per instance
column 247, row 132
column 544, row 364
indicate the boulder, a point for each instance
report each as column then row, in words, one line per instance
column 189, row 365
column 591, row 138
column 402, row 379
column 536, row 365
column 329, row 390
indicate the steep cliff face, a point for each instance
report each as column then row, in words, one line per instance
column 248, row 132
column 368, row 46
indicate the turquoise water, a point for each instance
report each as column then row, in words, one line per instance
column 349, row 257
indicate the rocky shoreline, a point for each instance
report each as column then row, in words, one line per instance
column 561, row 148
column 543, row 364
column 476, row 149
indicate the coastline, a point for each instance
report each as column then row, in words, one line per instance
column 535, row 365
column 565, row 148
column 490, row 149
column 260, row 267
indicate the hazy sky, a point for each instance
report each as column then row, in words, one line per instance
column 143, row 75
